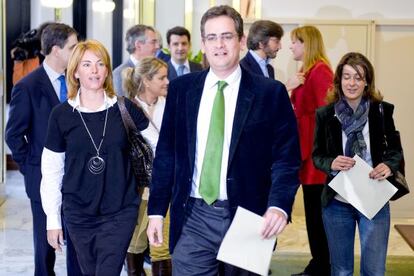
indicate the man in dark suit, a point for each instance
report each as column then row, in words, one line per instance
column 179, row 43
column 263, row 42
column 228, row 138
column 33, row 98
column 141, row 41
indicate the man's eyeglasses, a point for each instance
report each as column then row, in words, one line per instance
column 226, row 37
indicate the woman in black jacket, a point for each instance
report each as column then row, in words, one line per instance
column 352, row 124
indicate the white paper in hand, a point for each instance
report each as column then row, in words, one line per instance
column 243, row 245
column 367, row 195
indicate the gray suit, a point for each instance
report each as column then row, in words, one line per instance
column 117, row 76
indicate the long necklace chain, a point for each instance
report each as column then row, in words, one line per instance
column 96, row 164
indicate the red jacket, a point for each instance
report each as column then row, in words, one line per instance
column 305, row 100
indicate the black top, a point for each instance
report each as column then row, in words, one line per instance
column 84, row 193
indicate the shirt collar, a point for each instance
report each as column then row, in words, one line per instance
column 108, row 102
column 259, row 59
column 232, row 79
column 134, row 60
column 52, row 74
column 176, row 65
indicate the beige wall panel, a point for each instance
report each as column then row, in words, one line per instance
column 394, row 60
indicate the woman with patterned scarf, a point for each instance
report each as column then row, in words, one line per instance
column 352, row 124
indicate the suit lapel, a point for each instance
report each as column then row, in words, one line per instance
column 254, row 65
column 193, row 99
column 336, row 131
column 172, row 74
column 243, row 106
column 46, row 87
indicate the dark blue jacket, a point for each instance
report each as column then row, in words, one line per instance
column 250, row 64
column 264, row 155
column 33, row 98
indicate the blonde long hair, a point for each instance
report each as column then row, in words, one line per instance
column 314, row 49
column 133, row 77
column 100, row 51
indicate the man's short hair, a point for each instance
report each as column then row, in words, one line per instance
column 178, row 30
column 223, row 10
column 134, row 34
column 261, row 31
column 55, row 34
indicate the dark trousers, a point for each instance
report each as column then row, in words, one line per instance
column 101, row 242
column 44, row 254
column 196, row 250
column 319, row 264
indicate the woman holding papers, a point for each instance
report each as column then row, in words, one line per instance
column 351, row 124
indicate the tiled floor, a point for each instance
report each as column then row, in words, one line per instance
column 16, row 250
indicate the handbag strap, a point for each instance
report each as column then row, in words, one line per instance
column 126, row 117
column 146, row 114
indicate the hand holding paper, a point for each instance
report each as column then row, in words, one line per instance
column 243, row 245
column 367, row 195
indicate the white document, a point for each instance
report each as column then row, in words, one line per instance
column 243, row 245
column 367, row 195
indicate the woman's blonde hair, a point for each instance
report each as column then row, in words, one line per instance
column 356, row 61
column 133, row 77
column 314, row 49
column 100, row 51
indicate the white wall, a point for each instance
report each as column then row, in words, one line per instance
column 338, row 9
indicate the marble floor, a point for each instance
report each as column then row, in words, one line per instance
column 16, row 250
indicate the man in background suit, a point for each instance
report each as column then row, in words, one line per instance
column 228, row 138
column 263, row 42
column 141, row 41
column 33, row 98
column 179, row 43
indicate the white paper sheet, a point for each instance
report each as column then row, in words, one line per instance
column 243, row 245
column 367, row 195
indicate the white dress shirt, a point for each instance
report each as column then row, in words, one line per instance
column 53, row 168
column 231, row 91
column 53, row 77
column 186, row 66
column 152, row 133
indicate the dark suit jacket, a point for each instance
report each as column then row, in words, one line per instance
column 33, row 98
column 250, row 64
column 328, row 141
column 172, row 74
column 264, row 155
column 117, row 77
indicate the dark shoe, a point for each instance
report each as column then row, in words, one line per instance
column 303, row 273
column 135, row 264
column 161, row 268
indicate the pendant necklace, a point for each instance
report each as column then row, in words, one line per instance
column 96, row 164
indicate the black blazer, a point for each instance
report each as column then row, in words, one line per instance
column 328, row 141
column 264, row 154
column 172, row 74
column 250, row 64
column 33, row 98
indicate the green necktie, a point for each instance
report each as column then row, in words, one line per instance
column 210, row 172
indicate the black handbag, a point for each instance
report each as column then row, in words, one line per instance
column 398, row 178
column 140, row 152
